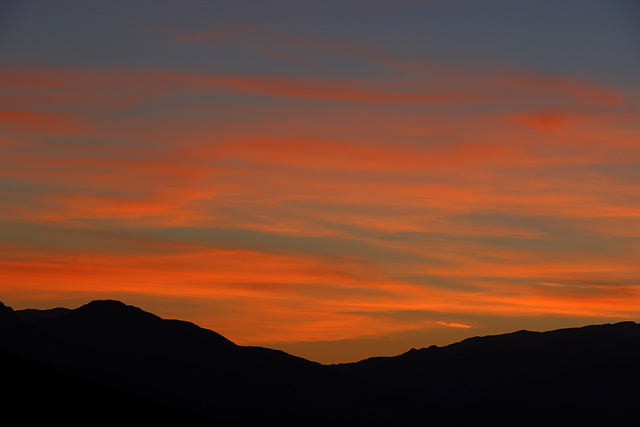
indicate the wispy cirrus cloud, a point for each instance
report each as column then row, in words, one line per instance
column 321, row 200
column 303, row 50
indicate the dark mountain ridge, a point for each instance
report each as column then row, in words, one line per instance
column 587, row 373
column 578, row 375
column 30, row 315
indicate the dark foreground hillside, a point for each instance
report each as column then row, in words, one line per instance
column 35, row 394
column 99, row 356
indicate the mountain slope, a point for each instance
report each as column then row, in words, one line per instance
column 169, row 361
column 586, row 374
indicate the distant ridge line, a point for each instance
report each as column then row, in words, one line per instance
column 573, row 376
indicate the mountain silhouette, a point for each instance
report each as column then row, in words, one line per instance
column 572, row 376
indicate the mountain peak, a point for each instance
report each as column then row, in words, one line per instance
column 110, row 307
column 107, row 303
column 111, row 324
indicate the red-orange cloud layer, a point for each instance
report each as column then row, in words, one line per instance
column 321, row 208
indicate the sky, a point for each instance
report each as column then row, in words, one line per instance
column 335, row 179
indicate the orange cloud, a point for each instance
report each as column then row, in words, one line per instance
column 325, row 299
column 409, row 186
column 122, row 87
column 42, row 122
column 545, row 121
column 577, row 88
column 304, row 50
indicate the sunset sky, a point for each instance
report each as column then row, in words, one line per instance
column 336, row 179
